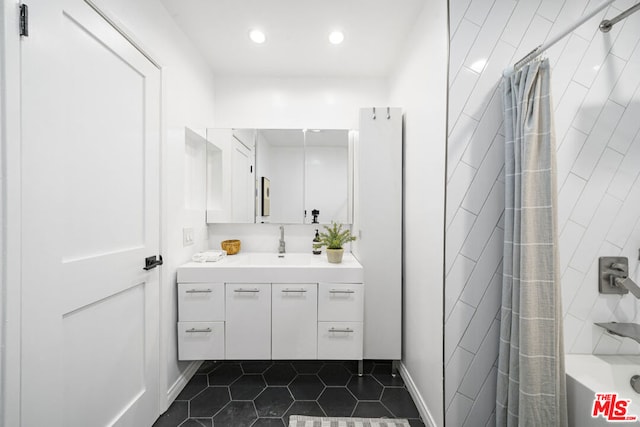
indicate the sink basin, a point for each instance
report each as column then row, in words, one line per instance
column 259, row 267
column 268, row 259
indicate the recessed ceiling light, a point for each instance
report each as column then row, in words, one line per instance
column 257, row 36
column 336, row 37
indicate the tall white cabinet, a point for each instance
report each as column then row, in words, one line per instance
column 378, row 226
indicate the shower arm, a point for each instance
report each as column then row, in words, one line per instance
column 607, row 24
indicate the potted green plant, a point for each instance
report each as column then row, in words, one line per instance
column 334, row 238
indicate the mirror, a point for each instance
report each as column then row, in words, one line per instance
column 282, row 176
column 327, row 177
column 280, row 164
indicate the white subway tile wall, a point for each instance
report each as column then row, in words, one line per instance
column 596, row 95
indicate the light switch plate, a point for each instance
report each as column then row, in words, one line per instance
column 187, row 236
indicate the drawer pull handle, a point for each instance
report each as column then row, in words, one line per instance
column 337, row 291
column 199, row 291
column 294, row 290
column 198, row 330
column 341, row 330
column 247, row 290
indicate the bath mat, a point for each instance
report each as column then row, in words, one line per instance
column 302, row 421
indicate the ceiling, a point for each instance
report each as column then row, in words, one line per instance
column 297, row 35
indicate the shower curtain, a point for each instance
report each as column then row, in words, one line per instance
column 531, row 376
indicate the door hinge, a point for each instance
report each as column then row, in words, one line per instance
column 24, row 20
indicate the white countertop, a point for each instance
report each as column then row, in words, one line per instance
column 257, row 267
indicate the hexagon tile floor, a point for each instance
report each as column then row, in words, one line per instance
column 265, row 393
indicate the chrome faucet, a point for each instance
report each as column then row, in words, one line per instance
column 619, row 277
column 629, row 284
column 281, row 246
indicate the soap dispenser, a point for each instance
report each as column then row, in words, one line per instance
column 316, row 244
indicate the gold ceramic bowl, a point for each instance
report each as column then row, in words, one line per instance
column 231, row 246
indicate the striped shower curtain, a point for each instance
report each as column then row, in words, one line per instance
column 531, row 376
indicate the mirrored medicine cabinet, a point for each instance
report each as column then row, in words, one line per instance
column 281, row 176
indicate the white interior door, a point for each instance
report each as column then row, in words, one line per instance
column 90, row 203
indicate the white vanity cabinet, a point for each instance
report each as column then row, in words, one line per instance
column 294, row 321
column 296, row 307
column 261, row 321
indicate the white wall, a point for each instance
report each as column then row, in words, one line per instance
column 195, row 172
column 596, row 93
column 3, row 263
column 419, row 85
column 295, row 102
column 187, row 101
column 265, row 237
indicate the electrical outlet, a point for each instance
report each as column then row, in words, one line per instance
column 187, row 236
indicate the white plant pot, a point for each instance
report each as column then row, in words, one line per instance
column 335, row 255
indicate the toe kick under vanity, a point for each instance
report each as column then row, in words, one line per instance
column 260, row 306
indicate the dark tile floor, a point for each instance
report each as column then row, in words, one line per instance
column 265, row 393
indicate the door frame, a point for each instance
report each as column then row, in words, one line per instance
column 11, row 210
column 11, row 173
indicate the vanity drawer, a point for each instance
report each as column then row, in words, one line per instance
column 341, row 302
column 340, row 340
column 200, row 302
column 200, row 340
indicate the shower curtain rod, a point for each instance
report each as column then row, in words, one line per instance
column 541, row 48
column 607, row 24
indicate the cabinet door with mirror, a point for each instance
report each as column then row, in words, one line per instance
column 300, row 176
column 230, row 175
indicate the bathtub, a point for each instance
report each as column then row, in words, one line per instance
column 590, row 374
